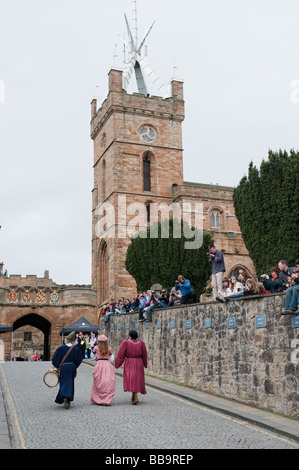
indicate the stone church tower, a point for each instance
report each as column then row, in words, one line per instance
column 138, row 157
column 138, row 161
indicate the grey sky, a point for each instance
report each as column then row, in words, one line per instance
column 239, row 60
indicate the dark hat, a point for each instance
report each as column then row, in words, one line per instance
column 71, row 336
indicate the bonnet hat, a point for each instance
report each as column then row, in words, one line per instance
column 102, row 339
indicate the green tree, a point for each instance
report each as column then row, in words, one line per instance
column 267, row 207
column 159, row 260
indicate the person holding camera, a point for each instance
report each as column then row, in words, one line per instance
column 218, row 268
column 272, row 284
column 184, row 286
column 164, row 298
column 292, row 292
column 284, row 273
column 175, row 297
column 142, row 305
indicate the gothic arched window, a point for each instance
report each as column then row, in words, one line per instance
column 103, row 271
column 103, row 181
column 215, row 219
column 147, row 172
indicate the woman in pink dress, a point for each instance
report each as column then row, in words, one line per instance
column 134, row 353
column 103, row 387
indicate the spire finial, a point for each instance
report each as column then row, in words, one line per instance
column 135, row 61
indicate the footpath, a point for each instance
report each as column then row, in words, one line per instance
column 4, row 431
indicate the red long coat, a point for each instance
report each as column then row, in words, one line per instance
column 134, row 353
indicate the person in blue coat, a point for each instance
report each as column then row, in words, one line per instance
column 68, row 369
column 187, row 292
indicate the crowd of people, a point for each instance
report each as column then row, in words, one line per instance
column 281, row 279
column 182, row 293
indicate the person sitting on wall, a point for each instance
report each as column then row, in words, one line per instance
column 251, row 287
column 235, row 285
column 110, row 311
column 284, row 273
column 291, row 299
column 175, row 297
column 272, row 284
column 127, row 306
column 142, row 305
column 261, row 289
column 226, row 290
column 187, row 292
column 134, row 305
column 153, row 303
column 164, row 298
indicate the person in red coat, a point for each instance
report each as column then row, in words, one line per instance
column 133, row 352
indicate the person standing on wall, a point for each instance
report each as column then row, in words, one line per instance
column 134, row 354
column 218, row 268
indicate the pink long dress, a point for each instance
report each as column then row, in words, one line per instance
column 133, row 352
column 103, row 387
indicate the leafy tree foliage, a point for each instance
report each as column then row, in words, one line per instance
column 159, row 260
column 267, row 207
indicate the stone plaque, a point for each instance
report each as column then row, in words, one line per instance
column 172, row 324
column 261, row 321
column 128, row 326
column 147, row 324
column 188, row 324
column 112, row 326
column 119, row 326
column 207, row 322
column 295, row 321
column 231, row 323
column 136, row 326
column 158, row 324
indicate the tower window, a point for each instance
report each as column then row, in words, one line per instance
column 215, row 220
column 148, row 213
column 146, row 173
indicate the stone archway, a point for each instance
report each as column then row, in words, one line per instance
column 42, row 324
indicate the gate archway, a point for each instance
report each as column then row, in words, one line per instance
column 38, row 322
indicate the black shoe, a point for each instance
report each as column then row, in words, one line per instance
column 66, row 403
column 289, row 311
column 220, row 299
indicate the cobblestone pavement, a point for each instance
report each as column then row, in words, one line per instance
column 159, row 421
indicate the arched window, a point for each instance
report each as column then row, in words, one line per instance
column 148, row 213
column 103, row 181
column 215, row 219
column 147, row 171
column 103, row 272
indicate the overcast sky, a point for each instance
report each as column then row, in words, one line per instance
column 239, row 60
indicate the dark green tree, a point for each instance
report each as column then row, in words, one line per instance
column 159, row 260
column 267, row 207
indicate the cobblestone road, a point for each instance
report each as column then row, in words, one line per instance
column 159, row 421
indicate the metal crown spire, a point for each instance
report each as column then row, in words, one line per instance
column 135, row 61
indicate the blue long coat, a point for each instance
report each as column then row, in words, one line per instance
column 68, row 371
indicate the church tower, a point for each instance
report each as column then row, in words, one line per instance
column 138, row 165
column 138, row 157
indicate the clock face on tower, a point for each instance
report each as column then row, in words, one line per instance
column 147, row 134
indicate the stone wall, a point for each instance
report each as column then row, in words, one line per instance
column 224, row 349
